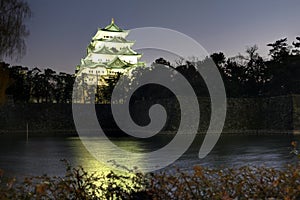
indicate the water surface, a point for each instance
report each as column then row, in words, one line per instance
column 41, row 155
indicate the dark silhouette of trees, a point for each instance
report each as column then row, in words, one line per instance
column 33, row 85
column 162, row 61
column 5, row 81
column 68, row 81
column 48, row 84
column 284, row 68
column 219, row 59
column 189, row 71
column 232, row 79
column 20, row 87
column 229, row 71
column 12, row 34
column 296, row 45
column 247, row 75
column 12, row 28
column 243, row 75
column 280, row 50
column 251, row 72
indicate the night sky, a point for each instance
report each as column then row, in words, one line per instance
column 61, row 30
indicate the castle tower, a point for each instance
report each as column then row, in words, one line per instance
column 108, row 54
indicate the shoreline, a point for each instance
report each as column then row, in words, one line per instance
column 118, row 133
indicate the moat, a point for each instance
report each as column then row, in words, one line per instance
column 41, row 155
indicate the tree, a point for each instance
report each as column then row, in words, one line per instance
column 62, row 87
column 255, row 67
column 35, row 81
column 12, row 28
column 218, row 58
column 249, row 71
column 162, row 61
column 5, row 81
column 280, row 50
column 106, row 91
column 296, row 49
column 20, row 89
column 68, row 87
column 49, row 83
column 189, row 71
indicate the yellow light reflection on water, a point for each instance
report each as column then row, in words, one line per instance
column 84, row 158
column 91, row 165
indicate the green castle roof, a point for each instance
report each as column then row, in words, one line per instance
column 113, row 27
column 119, row 40
column 118, row 63
column 127, row 51
column 115, row 40
column 104, row 50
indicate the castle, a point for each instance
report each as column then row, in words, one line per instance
column 108, row 54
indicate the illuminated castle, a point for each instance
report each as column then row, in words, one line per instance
column 108, row 54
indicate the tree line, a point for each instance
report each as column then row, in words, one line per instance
column 247, row 75
column 250, row 75
column 38, row 86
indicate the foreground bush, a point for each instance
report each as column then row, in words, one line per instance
column 242, row 183
column 76, row 184
column 201, row 183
